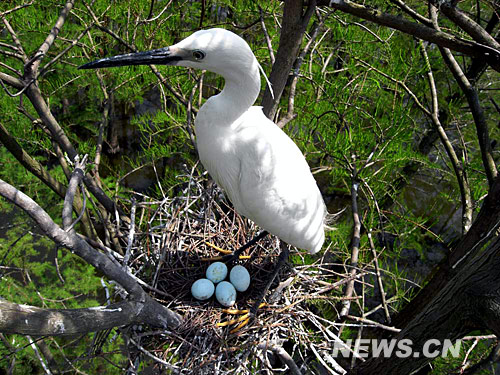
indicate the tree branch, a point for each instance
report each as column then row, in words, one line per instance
column 32, row 320
column 11, row 81
column 478, row 33
column 292, row 32
column 266, row 34
column 150, row 311
column 458, row 167
column 35, row 96
column 470, row 301
column 33, row 166
column 32, row 68
column 284, row 356
column 15, row 39
column 468, row 47
column 290, row 115
column 15, row 9
column 415, row 15
column 74, row 182
column 356, row 237
column 474, row 106
column 481, row 231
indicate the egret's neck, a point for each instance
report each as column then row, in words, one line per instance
column 240, row 91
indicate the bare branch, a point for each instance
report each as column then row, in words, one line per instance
column 32, row 69
column 131, row 232
column 292, row 31
column 11, row 81
column 373, row 323
column 268, row 39
column 468, row 25
column 150, row 17
column 74, row 182
column 58, row 134
column 355, row 242
column 73, row 43
column 8, row 67
column 33, row 166
column 11, row 54
column 284, row 356
column 475, row 107
column 290, row 115
column 155, row 358
column 15, row 9
column 32, row 320
column 20, row 92
column 15, row 39
column 149, row 310
column 458, row 167
column 412, row 13
column 468, row 47
column 379, row 277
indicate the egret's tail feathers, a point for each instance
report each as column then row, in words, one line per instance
column 332, row 218
column 267, row 80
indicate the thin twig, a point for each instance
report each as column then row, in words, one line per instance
column 346, row 304
column 32, row 66
column 266, row 35
column 476, row 109
column 15, row 39
column 379, row 278
column 458, row 168
column 284, row 356
column 15, row 9
column 72, row 190
column 131, row 232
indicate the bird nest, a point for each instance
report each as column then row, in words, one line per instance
column 292, row 331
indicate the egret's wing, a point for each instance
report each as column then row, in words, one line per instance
column 276, row 188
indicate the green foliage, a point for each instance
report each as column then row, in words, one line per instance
column 350, row 101
column 471, row 352
column 30, row 276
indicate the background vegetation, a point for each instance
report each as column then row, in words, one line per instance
column 364, row 102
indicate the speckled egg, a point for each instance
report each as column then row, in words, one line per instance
column 216, row 272
column 225, row 293
column 202, row 289
column 240, row 278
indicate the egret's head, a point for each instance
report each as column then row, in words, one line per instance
column 217, row 50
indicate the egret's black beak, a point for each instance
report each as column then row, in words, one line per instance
column 161, row 56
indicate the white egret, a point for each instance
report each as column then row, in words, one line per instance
column 260, row 168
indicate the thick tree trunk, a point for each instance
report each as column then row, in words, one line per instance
column 466, row 297
column 470, row 301
column 482, row 229
column 31, row 320
column 292, row 31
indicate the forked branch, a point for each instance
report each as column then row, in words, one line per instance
column 141, row 306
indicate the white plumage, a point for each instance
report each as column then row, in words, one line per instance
column 260, row 168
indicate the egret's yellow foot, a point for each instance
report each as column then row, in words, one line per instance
column 220, row 259
column 219, row 249
column 227, row 252
column 241, row 325
column 232, row 321
column 242, row 320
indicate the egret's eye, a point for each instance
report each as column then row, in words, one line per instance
column 198, row 55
